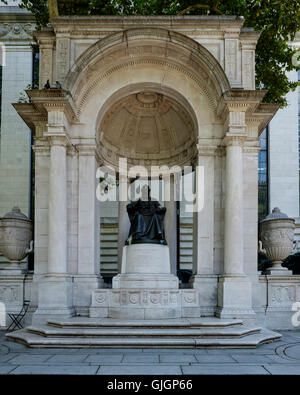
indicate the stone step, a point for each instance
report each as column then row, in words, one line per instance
column 205, row 322
column 250, row 341
column 144, row 332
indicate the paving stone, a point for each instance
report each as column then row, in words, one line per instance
column 250, row 358
column 136, row 358
column 215, row 359
column 7, row 357
column 105, row 359
column 293, row 351
column 278, row 359
column 177, row 358
column 24, row 359
column 226, row 369
column 140, row 370
column 6, row 369
column 54, row 369
column 67, row 358
column 174, row 351
column 120, row 350
column 283, row 369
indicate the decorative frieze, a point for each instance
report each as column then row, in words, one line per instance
column 145, row 298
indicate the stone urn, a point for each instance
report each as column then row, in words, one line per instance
column 15, row 235
column 277, row 235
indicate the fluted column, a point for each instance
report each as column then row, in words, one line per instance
column 204, row 279
column 88, row 275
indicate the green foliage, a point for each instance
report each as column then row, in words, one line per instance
column 292, row 262
column 263, row 262
column 278, row 20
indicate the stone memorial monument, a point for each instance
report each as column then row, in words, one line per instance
column 164, row 91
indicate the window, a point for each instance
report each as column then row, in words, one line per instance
column 263, row 176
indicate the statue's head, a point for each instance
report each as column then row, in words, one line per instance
column 145, row 193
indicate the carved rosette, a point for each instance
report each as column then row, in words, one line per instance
column 277, row 236
column 15, row 235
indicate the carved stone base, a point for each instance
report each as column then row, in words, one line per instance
column 207, row 287
column 235, row 298
column 54, row 298
column 146, row 266
column 144, row 303
column 282, row 304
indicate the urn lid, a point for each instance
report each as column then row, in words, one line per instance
column 15, row 213
column 275, row 214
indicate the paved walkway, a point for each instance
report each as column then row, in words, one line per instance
column 281, row 357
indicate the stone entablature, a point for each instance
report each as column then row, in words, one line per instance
column 227, row 40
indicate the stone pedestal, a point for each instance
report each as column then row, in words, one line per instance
column 146, row 266
column 145, row 289
column 278, row 270
column 280, row 296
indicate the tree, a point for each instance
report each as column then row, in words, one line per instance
column 278, row 21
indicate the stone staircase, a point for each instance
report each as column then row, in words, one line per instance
column 172, row 333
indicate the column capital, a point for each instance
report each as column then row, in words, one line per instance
column 252, row 149
column 234, row 140
column 59, row 140
column 87, row 149
column 41, row 147
column 206, row 150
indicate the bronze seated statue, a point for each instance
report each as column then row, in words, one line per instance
column 146, row 220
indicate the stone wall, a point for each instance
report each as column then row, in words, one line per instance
column 15, row 136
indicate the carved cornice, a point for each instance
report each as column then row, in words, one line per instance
column 166, row 21
column 46, row 100
column 16, row 30
column 30, row 115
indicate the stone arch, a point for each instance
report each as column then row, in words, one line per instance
column 146, row 48
column 175, row 138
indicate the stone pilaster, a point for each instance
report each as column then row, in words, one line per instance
column 47, row 59
column 171, row 221
column 124, row 223
column 204, row 279
column 88, row 275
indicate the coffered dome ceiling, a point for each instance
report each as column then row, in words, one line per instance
column 148, row 126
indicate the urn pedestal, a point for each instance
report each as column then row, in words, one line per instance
column 277, row 236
